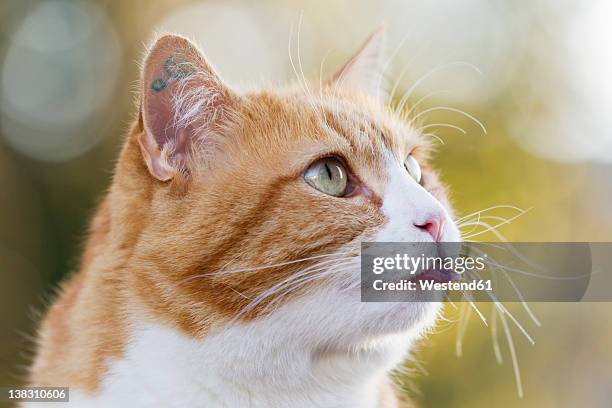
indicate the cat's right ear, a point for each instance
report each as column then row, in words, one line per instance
column 364, row 70
column 183, row 103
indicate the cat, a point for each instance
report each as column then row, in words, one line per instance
column 222, row 267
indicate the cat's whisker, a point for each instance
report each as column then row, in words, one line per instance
column 447, row 125
column 481, row 217
column 503, row 269
column 488, row 227
column 521, row 298
column 512, row 318
column 387, row 64
column 451, row 109
column 336, row 269
column 299, row 58
column 519, row 326
column 491, row 227
column 497, row 234
column 313, row 272
column 495, row 207
column 450, row 302
column 267, row 293
column 323, row 272
column 537, row 275
column 262, row 267
column 464, row 317
column 298, row 77
column 404, row 72
column 320, row 274
column 499, row 308
column 421, row 100
column 513, row 356
column 433, row 135
column 478, row 312
column 397, row 82
column 495, row 337
column 290, row 53
column 321, row 65
column 474, row 226
column 236, row 291
column 433, row 71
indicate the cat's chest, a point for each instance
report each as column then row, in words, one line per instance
column 164, row 368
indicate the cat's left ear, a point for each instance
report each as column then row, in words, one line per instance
column 364, row 70
column 183, row 105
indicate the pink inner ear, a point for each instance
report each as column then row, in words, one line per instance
column 170, row 69
column 161, row 125
column 182, row 96
column 168, row 77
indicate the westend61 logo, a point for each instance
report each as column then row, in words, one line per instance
column 413, row 264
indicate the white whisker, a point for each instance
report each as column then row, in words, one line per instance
column 421, row 100
column 451, row 109
column 495, row 207
column 464, row 318
column 433, row 135
column 433, row 71
column 484, row 320
column 321, row 65
column 258, row 268
column 386, row 65
column 447, row 125
column 515, row 364
column 494, row 336
column 490, row 227
column 314, row 272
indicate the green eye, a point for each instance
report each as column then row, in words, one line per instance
column 413, row 168
column 327, row 175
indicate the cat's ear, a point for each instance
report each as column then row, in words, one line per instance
column 183, row 101
column 364, row 70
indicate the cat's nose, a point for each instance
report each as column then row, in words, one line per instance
column 434, row 226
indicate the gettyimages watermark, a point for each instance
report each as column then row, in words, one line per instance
column 486, row 272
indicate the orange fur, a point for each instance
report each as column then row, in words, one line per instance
column 243, row 205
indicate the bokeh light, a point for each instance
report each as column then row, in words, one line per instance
column 256, row 45
column 58, row 73
column 564, row 115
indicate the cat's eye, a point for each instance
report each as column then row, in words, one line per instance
column 413, row 168
column 327, row 175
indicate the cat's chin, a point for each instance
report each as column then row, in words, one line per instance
column 388, row 319
column 338, row 319
column 385, row 335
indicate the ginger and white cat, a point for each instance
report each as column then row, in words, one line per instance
column 222, row 267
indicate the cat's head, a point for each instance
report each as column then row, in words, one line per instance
column 251, row 206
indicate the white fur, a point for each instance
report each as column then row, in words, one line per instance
column 327, row 349
column 407, row 203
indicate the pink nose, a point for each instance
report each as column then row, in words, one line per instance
column 434, row 226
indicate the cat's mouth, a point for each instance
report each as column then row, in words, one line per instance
column 436, row 275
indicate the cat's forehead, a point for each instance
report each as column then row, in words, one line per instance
column 356, row 124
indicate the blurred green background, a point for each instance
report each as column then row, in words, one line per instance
column 68, row 74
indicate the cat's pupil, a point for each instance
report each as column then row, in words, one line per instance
column 329, row 173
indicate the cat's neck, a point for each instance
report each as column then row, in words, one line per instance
column 244, row 366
